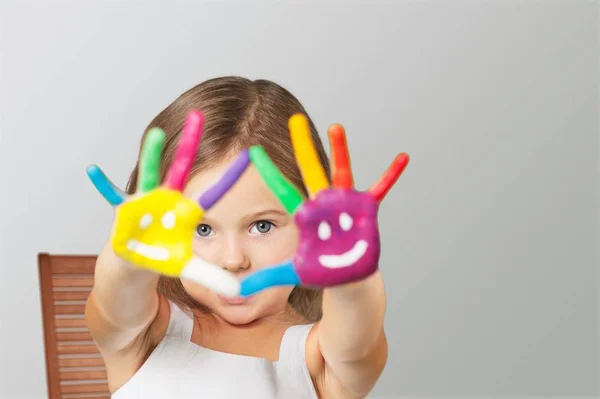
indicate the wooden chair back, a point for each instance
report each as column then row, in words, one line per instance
column 74, row 367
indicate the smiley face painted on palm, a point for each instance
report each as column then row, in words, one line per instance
column 162, row 238
column 339, row 235
column 339, row 238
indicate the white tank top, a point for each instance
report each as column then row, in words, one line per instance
column 180, row 369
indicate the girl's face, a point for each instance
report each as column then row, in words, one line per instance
column 245, row 231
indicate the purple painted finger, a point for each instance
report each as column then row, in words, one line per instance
column 233, row 173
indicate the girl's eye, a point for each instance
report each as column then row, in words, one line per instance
column 203, row 230
column 262, row 227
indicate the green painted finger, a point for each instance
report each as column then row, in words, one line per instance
column 282, row 188
column 149, row 169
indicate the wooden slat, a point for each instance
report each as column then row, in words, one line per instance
column 76, row 349
column 72, row 289
column 70, row 295
column 69, row 309
column 73, row 282
column 73, row 336
column 73, row 264
column 82, row 375
column 84, row 388
column 64, row 323
column 81, row 362
column 85, row 395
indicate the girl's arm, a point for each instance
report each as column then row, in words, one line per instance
column 348, row 349
column 123, row 303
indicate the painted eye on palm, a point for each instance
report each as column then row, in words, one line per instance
column 339, row 235
column 154, row 228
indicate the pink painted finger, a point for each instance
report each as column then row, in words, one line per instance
column 186, row 151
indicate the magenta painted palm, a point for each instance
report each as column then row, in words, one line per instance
column 339, row 235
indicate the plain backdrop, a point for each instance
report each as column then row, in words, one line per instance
column 490, row 237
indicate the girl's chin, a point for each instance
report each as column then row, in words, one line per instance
column 237, row 315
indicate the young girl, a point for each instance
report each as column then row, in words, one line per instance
column 166, row 337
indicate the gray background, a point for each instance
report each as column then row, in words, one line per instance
column 490, row 237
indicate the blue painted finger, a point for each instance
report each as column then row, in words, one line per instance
column 108, row 190
column 279, row 275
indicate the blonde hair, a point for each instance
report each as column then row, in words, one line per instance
column 238, row 113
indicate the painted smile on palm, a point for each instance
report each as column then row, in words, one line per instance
column 339, row 239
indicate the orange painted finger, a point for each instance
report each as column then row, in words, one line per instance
column 391, row 175
column 342, row 171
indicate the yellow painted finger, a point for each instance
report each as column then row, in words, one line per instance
column 306, row 155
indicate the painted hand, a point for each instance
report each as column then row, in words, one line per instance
column 154, row 228
column 339, row 235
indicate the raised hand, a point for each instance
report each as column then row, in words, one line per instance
column 339, row 235
column 154, row 228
